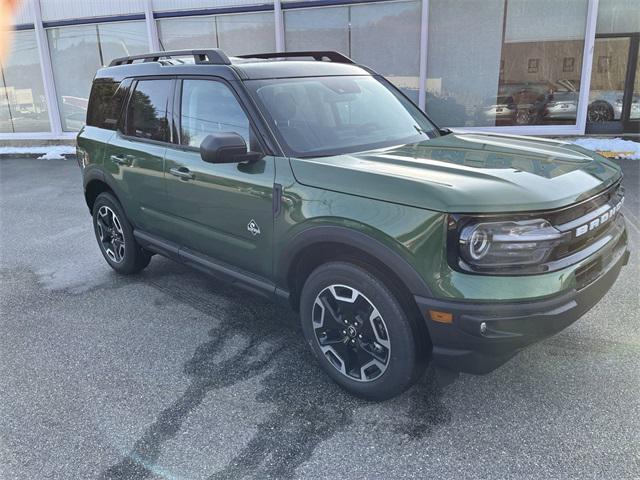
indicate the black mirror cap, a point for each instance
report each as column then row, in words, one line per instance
column 226, row 147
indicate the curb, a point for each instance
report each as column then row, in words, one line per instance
column 32, row 156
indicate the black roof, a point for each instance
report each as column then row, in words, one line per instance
column 216, row 62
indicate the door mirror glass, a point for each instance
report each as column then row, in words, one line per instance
column 226, row 147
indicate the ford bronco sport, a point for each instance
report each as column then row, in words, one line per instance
column 311, row 179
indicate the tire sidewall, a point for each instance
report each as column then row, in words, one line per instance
column 131, row 248
column 404, row 364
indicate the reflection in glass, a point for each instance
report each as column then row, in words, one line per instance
column 515, row 64
column 384, row 36
column 246, row 33
column 317, row 29
column 209, row 107
column 77, row 52
column 147, row 111
column 187, row 33
column 237, row 34
column 23, row 107
column 610, row 58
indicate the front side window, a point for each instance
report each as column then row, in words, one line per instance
column 332, row 115
column 208, row 107
column 147, row 111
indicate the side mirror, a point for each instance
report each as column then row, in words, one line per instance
column 226, row 147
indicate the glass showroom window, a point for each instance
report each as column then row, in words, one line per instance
column 236, row 34
column 187, row 33
column 613, row 98
column 76, row 54
column 383, row 36
column 518, row 63
column 23, row 107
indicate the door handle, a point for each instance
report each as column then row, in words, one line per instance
column 119, row 160
column 183, row 173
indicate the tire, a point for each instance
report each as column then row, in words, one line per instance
column 600, row 111
column 115, row 236
column 375, row 358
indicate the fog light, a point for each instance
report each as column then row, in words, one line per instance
column 483, row 328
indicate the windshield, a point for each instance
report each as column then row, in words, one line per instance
column 319, row 116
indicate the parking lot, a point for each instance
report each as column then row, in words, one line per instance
column 172, row 374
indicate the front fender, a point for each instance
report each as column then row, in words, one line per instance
column 355, row 239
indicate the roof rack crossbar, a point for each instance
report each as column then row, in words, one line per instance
column 211, row 56
column 316, row 55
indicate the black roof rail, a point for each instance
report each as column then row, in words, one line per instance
column 210, row 56
column 316, row 55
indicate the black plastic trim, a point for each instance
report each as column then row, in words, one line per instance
column 352, row 238
column 318, row 55
column 210, row 266
column 212, row 56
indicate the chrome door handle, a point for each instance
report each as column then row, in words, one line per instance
column 182, row 173
column 119, row 160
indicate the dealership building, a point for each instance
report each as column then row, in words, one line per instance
column 532, row 67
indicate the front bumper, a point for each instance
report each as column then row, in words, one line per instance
column 460, row 346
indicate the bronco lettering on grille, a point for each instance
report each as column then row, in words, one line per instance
column 601, row 220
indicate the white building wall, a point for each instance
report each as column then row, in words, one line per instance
column 53, row 10
column 177, row 5
column 24, row 14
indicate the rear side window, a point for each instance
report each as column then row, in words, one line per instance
column 147, row 111
column 105, row 104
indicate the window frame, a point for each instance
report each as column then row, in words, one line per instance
column 123, row 124
column 252, row 113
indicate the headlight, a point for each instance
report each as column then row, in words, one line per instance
column 503, row 246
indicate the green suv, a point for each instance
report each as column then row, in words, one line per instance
column 313, row 180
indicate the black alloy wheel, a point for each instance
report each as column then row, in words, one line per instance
column 363, row 330
column 115, row 236
column 351, row 333
column 110, row 234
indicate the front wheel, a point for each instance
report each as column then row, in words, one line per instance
column 359, row 332
column 115, row 236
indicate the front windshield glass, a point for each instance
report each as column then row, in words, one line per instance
column 319, row 116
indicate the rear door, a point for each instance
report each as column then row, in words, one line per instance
column 223, row 211
column 135, row 155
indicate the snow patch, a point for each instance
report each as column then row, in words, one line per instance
column 623, row 148
column 52, row 152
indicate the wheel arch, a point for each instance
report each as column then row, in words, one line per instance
column 318, row 245
column 95, row 183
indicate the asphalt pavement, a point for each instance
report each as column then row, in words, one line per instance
column 172, row 374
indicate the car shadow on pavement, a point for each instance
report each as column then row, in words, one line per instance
column 307, row 408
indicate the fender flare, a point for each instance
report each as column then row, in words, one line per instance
column 95, row 173
column 352, row 238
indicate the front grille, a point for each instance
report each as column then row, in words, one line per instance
column 589, row 222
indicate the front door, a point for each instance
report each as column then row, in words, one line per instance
column 223, row 211
column 614, row 98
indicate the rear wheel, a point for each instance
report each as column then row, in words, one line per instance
column 359, row 332
column 115, row 236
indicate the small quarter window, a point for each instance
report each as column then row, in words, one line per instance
column 105, row 104
column 147, row 111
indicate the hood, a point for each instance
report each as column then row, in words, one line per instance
column 466, row 173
